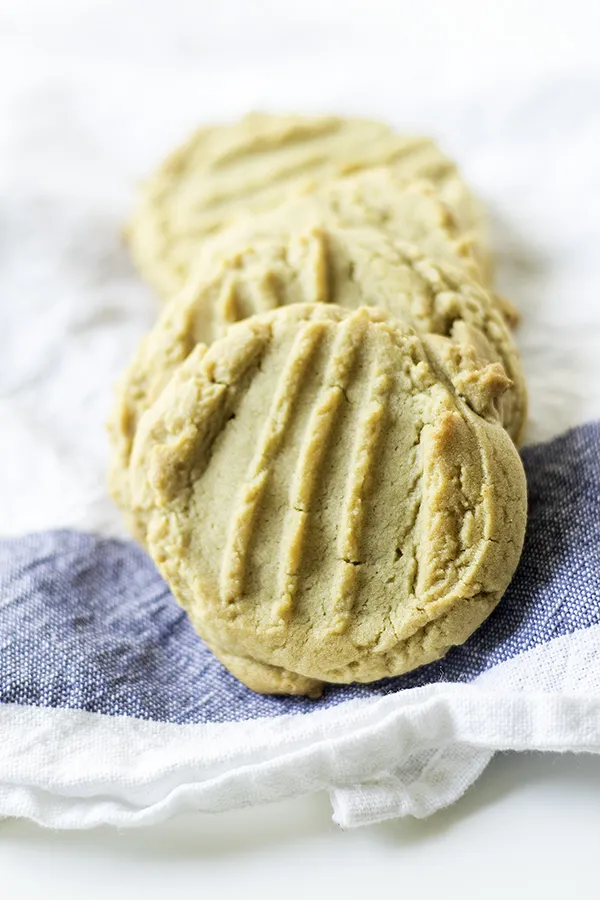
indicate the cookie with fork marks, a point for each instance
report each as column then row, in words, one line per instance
column 324, row 501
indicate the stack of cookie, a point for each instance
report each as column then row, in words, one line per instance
column 316, row 441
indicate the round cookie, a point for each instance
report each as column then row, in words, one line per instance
column 322, row 500
column 350, row 267
column 407, row 212
column 226, row 173
column 411, row 212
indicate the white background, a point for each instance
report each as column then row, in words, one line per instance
column 530, row 826
column 528, row 829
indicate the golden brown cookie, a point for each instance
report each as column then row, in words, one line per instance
column 410, row 212
column 325, row 500
column 350, row 267
column 227, row 173
column 407, row 212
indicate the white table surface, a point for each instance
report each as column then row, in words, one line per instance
column 531, row 826
column 528, row 828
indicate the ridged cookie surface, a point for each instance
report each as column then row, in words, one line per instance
column 350, row 267
column 323, row 502
column 411, row 212
column 227, row 173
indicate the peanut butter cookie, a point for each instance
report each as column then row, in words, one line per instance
column 330, row 495
column 227, row 173
column 350, row 267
